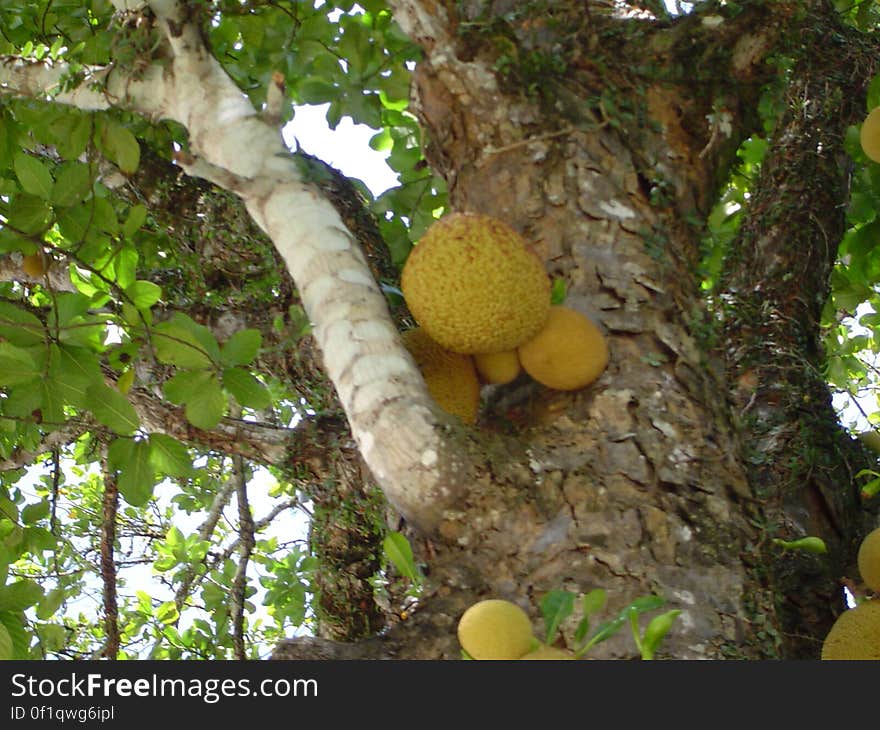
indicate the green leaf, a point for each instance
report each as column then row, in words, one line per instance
column 183, row 383
column 608, row 629
column 19, row 595
column 29, row 214
column 398, row 550
column 19, row 327
column 135, row 474
column 75, row 222
column 112, row 409
column 591, row 603
column 170, row 457
column 35, row 512
column 246, row 389
column 73, row 370
column 558, row 292
column 144, row 294
column 206, row 406
column 167, row 613
column 241, row 348
column 137, row 215
column 50, row 603
column 556, row 606
column 14, row 624
column 6, row 650
column 33, row 175
column 181, row 341
column 655, row 632
column 53, row 637
column 73, row 182
column 16, row 365
column 121, row 146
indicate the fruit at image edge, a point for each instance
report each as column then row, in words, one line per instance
column 495, row 629
column 475, row 285
column 855, row 634
column 869, row 135
column 869, row 560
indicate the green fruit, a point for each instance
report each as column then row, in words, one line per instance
column 495, row 629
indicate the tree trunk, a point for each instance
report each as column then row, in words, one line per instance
column 604, row 141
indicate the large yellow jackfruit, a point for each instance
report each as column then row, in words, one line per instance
column 568, row 353
column 855, row 634
column 475, row 285
column 451, row 377
column 869, row 560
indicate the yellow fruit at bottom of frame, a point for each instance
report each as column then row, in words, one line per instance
column 495, row 629
column 855, row 634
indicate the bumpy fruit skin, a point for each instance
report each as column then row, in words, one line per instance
column 498, row 368
column 495, row 629
column 451, row 377
column 34, row 264
column 869, row 135
column 869, row 560
column 475, row 285
column 568, row 353
column 855, row 634
column 548, row 653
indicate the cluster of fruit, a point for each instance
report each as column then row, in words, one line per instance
column 856, row 633
column 482, row 300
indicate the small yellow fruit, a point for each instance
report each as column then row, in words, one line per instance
column 855, row 634
column 476, row 285
column 451, row 378
column 34, row 264
column 568, row 353
column 495, row 629
column 869, row 560
column 548, row 653
column 498, row 368
column 869, row 135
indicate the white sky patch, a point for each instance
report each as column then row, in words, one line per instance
column 347, row 148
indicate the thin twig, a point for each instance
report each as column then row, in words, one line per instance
column 247, row 542
column 108, row 565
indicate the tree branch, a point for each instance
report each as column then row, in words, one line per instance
column 246, row 546
column 108, row 564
